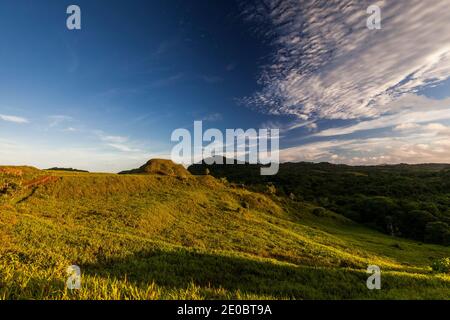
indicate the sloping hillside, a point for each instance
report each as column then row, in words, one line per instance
column 410, row 201
column 160, row 237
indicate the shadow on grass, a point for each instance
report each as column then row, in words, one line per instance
column 179, row 269
column 219, row 276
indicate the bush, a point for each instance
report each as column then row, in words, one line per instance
column 9, row 187
column 441, row 265
column 320, row 212
column 271, row 189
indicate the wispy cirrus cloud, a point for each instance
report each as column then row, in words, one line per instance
column 415, row 112
column 120, row 143
column 327, row 64
column 111, row 139
column 431, row 145
column 14, row 119
column 415, row 133
column 123, row 147
column 56, row 120
column 327, row 67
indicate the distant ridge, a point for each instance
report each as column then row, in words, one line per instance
column 67, row 169
column 232, row 166
column 160, row 167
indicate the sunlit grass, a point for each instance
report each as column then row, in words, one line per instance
column 161, row 237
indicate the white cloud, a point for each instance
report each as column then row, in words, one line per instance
column 438, row 129
column 312, row 126
column 406, row 113
column 119, row 143
column 431, row 129
column 431, row 145
column 406, row 126
column 123, row 147
column 14, row 119
column 113, row 139
column 316, row 151
column 327, row 64
column 388, row 121
column 286, row 127
column 56, row 120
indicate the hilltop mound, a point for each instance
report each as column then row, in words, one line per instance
column 160, row 167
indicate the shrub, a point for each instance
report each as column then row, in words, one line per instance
column 441, row 265
column 9, row 187
column 271, row 189
column 320, row 212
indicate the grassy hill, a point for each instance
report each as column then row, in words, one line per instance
column 411, row 201
column 152, row 236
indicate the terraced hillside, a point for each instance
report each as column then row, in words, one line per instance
column 150, row 236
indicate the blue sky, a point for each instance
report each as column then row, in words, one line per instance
column 107, row 97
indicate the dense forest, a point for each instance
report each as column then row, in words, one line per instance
column 411, row 201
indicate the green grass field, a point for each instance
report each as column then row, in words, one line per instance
column 195, row 237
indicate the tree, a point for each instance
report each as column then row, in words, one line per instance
column 437, row 232
column 414, row 223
